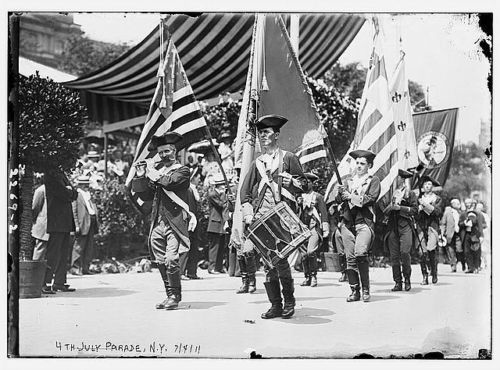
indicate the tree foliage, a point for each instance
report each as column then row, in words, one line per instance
column 468, row 172
column 82, row 55
column 51, row 122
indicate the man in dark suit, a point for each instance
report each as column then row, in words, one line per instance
column 60, row 224
column 171, row 218
column 216, row 232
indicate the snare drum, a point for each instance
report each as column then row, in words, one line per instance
column 277, row 233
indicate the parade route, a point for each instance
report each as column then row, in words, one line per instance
column 113, row 315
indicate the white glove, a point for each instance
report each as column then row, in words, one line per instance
column 192, row 223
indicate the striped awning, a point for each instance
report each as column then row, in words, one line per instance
column 215, row 51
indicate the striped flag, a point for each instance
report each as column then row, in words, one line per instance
column 173, row 108
column 276, row 84
column 403, row 120
column 375, row 130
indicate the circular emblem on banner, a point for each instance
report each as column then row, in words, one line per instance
column 433, row 149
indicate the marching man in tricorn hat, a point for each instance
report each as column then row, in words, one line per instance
column 314, row 215
column 275, row 175
column 430, row 210
column 400, row 219
column 358, row 196
column 170, row 217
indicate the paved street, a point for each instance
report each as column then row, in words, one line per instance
column 114, row 315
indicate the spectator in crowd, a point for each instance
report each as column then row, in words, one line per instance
column 119, row 167
column 451, row 230
column 39, row 229
column 485, row 246
column 86, row 226
column 60, row 224
column 226, row 154
column 211, row 169
column 471, row 235
column 217, row 234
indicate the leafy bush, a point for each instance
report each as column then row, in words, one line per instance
column 123, row 231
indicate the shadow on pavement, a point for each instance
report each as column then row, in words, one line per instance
column 200, row 305
column 309, row 316
column 377, row 297
column 93, row 293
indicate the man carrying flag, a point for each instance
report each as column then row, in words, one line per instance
column 168, row 186
column 157, row 183
column 275, row 175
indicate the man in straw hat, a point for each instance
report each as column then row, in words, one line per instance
column 274, row 176
column 358, row 196
column 86, row 226
column 170, row 217
column 314, row 215
column 430, row 210
column 400, row 215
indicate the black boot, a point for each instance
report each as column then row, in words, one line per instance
column 251, row 283
column 433, row 263
column 313, row 266
column 287, row 290
column 307, row 271
column 423, row 267
column 163, row 273
column 396, row 276
column 398, row 286
column 274, row 295
column 343, row 266
column 407, row 284
column 244, row 284
column 364, row 275
column 174, row 290
column 353, row 278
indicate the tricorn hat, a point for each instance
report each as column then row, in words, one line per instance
column 369, row 155
column 311, row 176
column 428, row 178
column 404, row 174
column 272, row 120
column 160, row 142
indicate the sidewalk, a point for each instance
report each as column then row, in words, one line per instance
column 114, row 316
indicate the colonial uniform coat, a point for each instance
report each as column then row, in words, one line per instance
column 400, row 236
column 428, row 219
column 165, row 211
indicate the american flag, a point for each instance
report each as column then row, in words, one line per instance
column 376, row 129
column 173, row 108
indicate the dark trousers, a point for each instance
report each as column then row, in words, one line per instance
column 217, row 245
column 281, row 271
column 428, row 262
column 58, row 248
column 473, row 257
column 189, row 260
column 399, row 248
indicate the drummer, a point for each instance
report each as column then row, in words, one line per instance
column 276, row 175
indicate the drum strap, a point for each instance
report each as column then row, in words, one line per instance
column 265, row 181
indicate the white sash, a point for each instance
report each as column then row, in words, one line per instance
column 271, row 183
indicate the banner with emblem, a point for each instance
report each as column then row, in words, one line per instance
column 435, row 135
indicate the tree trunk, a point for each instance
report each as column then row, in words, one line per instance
column 25, row 239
